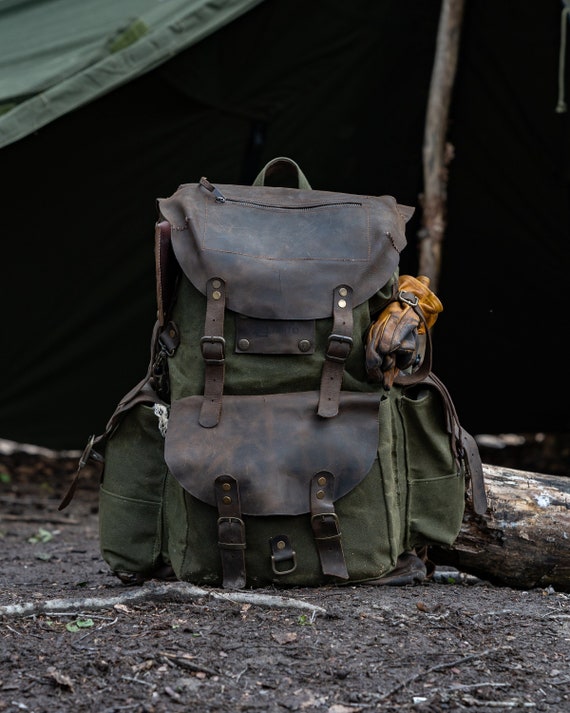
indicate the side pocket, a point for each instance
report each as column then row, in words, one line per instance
column 436, row 480
column 130, row 496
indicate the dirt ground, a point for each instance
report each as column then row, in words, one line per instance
column 74, row 638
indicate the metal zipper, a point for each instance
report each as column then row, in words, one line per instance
column 220, row 198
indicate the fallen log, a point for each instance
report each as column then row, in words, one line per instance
column 523, row 540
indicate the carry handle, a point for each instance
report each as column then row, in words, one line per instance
column 282, row 166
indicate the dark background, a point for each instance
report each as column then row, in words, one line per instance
column 342, row 89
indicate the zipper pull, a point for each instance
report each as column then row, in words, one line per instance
column 210, row 187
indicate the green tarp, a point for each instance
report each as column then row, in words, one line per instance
column 57, row 55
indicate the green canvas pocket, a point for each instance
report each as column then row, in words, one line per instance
column 435, row 478
column 130, row 496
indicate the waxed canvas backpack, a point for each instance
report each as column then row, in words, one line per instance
column 258, row 449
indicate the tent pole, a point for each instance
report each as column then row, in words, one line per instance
column 436, row 152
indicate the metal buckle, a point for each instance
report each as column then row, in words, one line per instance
column 408, row 298
column 89, row 454
column 232, row 520
column 339, row 339
column 284, row 571
column 334, row 518
column 213, row 340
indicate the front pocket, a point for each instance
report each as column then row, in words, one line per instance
column 274, row 447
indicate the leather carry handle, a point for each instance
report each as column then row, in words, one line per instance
column 282, row 166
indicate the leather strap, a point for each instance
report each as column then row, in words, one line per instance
column 338, row 349
column 464, row 448
column 167, row 271
column 475, row 471
column 324, row 522
column 231, row 532
column 214, row 353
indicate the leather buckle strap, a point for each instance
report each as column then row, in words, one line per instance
column 325, row 526
column 231, row 532
column 338, row 349
column 213, row 352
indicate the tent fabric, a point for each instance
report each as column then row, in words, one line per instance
column 57, row 55
column 342, row 89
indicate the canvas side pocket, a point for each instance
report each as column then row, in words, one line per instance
column 436, row 481
column 130, row 496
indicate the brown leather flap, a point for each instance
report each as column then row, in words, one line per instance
column 273, row 445
column 282, row 251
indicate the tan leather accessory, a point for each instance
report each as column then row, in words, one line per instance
column 393, row 342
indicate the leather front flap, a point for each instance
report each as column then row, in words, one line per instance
column 282, row 251
column 273, row 445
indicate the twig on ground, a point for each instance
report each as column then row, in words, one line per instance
column 438, row 667
column 174, row 591
column 138, row 680
column 184, row 662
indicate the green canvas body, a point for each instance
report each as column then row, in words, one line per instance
column 255, row 451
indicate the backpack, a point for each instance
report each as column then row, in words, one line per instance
column 256, row 451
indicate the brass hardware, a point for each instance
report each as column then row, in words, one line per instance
column 304, row 345
column 322, row 480
column 226, row 500
column 320, row 494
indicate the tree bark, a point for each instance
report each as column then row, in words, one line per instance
column 436, row 152
column 523, row 540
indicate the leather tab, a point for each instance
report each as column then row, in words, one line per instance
column 231, row 532
column 283, row 556
column 214, row 353
column 325, row 525
column 274, row 336
column 338, row 349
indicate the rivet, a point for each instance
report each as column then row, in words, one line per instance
column 172, row 333
column 343, row 292
column 226, row 487
column 342, row 304
column 243, row 344
column 226, row 500
column 304, row 345
column 216, row 294
column 320, row 494
column 322, row 480
column 281, row 545
column 216, row 284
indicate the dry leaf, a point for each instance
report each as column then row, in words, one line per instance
column 59, row 678
column 284, row 637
